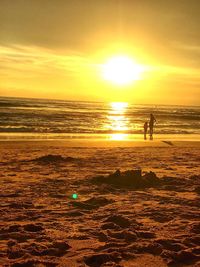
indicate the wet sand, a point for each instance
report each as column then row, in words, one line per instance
column 118, row 218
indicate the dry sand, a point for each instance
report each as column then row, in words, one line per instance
column 153, row 223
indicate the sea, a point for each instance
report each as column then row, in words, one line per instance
column 24, row 118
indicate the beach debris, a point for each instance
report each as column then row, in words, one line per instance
column 129, row 178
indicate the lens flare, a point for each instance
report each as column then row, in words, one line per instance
column 74, row 196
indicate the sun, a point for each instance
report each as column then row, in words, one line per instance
column 121, row 70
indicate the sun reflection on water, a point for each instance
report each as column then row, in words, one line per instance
column 118, row 137
column 118, row 123
column 118, row 107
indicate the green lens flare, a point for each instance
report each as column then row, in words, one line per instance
column 74, row 196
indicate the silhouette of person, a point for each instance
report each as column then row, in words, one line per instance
column 151, row 125
column 145, row 130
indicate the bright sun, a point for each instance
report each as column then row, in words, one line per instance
column 121, row 70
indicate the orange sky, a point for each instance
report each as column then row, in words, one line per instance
column 56, row 49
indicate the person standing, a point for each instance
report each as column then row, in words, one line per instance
column 151, row 125
column 145, row 130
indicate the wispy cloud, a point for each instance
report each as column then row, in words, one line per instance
column 37, row 59
column 18, row 62
column 175, row 73
column 188, row 47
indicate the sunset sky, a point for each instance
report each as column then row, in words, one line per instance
column 57, row 49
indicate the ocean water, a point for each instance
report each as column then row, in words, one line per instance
column 41, row 118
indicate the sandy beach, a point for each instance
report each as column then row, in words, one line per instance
column 64, row 204
column 99, row 133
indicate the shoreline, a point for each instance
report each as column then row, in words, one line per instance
column 115, row 138
column 99, row 143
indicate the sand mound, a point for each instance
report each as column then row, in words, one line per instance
column 129, row 178
column 53, row 159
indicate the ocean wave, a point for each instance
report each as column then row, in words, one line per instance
column 59, row 116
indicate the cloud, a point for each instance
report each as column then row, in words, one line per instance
column 193, row 46
column 33, row 59
column 19, row 60
column 41, row 72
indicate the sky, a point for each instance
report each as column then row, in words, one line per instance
column 56, row 49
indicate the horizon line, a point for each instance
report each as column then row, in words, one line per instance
column 95, row 101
